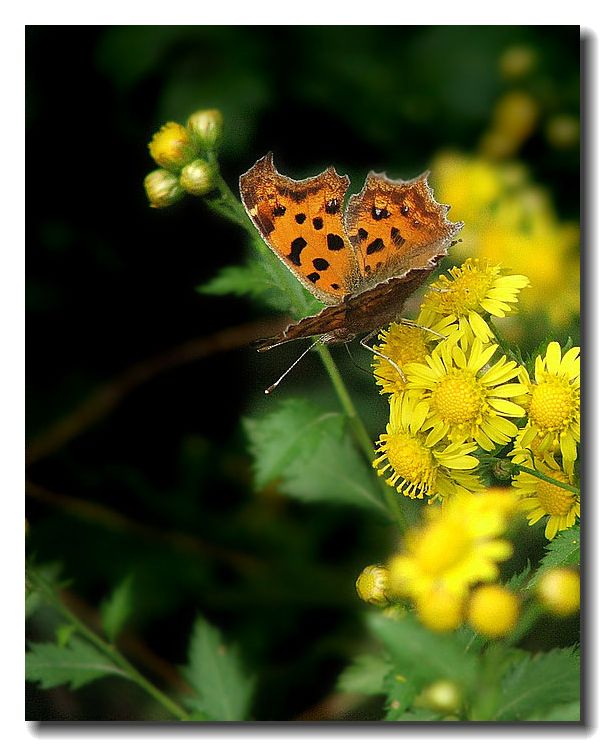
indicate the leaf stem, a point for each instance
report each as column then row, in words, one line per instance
column 524, row 469
column 128, row 670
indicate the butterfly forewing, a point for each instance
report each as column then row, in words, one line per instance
column 302, row 222
column 395, row 226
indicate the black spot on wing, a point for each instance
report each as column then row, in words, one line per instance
column 404, row 210
column 336, row 286
column 335, row 242
column 332, row 206
column 320, row 263
column 375, row 246
column 396, row 237
column 317, row 223
column 300, row 217
column 378, row 213
column 297, row 246
column 279, row 210
column 362, row 234
column 313, row 277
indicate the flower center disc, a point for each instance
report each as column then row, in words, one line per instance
column 551, row 405
column 553, row 499
column 409, row 459
column 457, row 398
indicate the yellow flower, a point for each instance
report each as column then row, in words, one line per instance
column 493, row 610
column 440, row 610
column 403, row 344
column 559, row 591
column 554, row 404
column 539, row 499
column 417, row 468
column 458, row 546
column 475, row 289
column 466, row 400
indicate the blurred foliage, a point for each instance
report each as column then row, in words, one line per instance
column 152, row 512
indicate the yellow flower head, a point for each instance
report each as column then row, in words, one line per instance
column 554, row 404
column 440, row 610
column 539, row 499
column 403, row 344
column 475, row 289
column 417, row 468
column 465, row 399
column 493, row 610
column 371, row 585
column 559, row 591
column 458, row 546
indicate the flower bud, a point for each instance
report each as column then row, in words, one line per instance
column 559, row 591
column 493, row 610
column 442, row 696
column 172, row 147
column 207, row 126
column 197, row 178
column 439, row 610
column 517, row 62
column 371, row 585
column 162, row 188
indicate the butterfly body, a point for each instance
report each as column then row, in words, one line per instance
column 362, row 260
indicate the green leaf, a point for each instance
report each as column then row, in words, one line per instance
column 517, row 581
column 561, row 713
column 564, row 550
column 34, row 598
column 422, row 656
column 536, row 683
column 214, row 671
column 72, row 665
column 401, row 692
column 310, row 451
column 366, row 674
column 263, row 278
column 117, row 608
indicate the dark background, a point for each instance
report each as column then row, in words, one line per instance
column 144, row 470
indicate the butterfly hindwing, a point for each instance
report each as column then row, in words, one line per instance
column 302, row 222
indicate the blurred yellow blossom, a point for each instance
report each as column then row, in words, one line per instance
column 493, row 610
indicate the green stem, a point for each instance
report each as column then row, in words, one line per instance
column 359, row 430
column 513, row 466
column 502, row 343
column 108, row 649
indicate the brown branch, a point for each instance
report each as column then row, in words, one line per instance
column 101, row 402
column 111, row 519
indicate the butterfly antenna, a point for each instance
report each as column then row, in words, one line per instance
column 364, row 342
column 409, row 323
column 272, row 387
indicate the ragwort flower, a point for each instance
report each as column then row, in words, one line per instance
column 417, row 467
column 554, row 404
column 465, row 400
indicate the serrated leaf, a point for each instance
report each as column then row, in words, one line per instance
column 64, row 633
column 517, row 581
column 223, row 691
column 564, row 550
column 539, row 682
column 72, row 665
column 423, row 656
column 117, row 608
column 33, row 597
column 310, row 451
column 366, row 674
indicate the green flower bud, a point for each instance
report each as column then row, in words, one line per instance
column 162, row 188
column 172, row 147
column 443, row 696
column 197, row 178
column 207, row 126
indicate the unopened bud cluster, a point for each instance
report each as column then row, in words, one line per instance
column 183, row 155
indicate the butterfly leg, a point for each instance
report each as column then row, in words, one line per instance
column 410, row 323
column 364, row 342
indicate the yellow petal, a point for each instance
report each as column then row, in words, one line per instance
column 553, row 357
column 506, row 406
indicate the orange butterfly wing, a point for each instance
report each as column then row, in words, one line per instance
column 302, row 222
column 397, row 225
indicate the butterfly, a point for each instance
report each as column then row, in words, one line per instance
column 363, row 259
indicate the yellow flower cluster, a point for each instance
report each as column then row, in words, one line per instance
column 443, row 561
column 452, row 398
column 509, row 220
